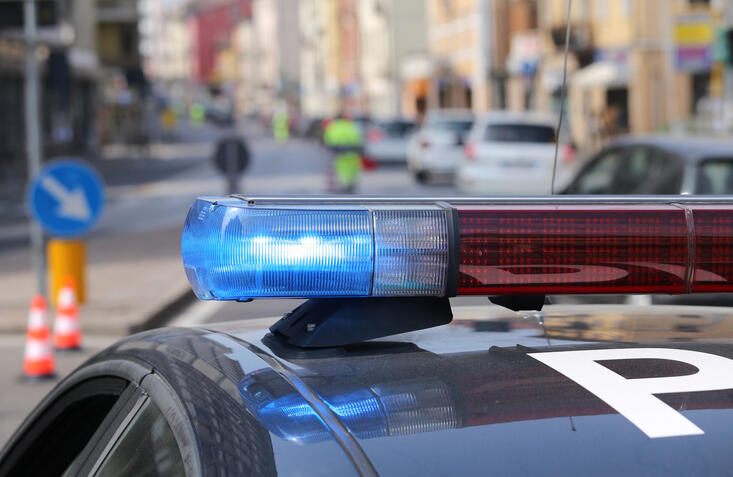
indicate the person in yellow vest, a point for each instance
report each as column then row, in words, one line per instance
column 169, row 119
column 197, row 114
column 281, row 125
column 344, row 138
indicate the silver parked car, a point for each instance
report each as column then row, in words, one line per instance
column 658, row 164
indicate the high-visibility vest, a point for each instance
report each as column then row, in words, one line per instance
column 342, row 132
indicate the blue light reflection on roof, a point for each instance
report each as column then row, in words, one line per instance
column 398, row 408
column 291, row 417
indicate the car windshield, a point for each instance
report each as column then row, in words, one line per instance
column 715, row 177
column 455, row 125
column 396, row 128
column 519, row 133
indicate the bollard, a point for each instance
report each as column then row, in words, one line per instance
column 66, row 258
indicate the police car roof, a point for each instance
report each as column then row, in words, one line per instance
column 472, row 397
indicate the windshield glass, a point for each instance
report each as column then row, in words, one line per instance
column 519, row 133
column 715, row 176
column 458, row 126
column 397, row 128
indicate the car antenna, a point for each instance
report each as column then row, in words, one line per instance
column 562, row 97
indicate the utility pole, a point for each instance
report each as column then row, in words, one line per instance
column 33, row 134
column 728, row 71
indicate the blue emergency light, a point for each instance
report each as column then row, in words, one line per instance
column 235, row 251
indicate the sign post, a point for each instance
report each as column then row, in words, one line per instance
column 33, row 134
column 66, row 199
column 231, row 158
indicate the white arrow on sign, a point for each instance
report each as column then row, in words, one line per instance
column 73, row 204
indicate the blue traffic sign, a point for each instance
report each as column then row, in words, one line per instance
column 66, row 198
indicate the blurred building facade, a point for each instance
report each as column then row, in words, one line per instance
column 165, row 42
column 318, row 62
column 68, row 60
column 393, row 34
column 211, row 24
column 274, row 44
column 634, row 66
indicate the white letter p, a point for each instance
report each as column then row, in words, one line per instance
column 634, row 398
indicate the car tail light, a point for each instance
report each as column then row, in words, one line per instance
column 470, row 151
column 368, row 163
column 374, row 135
column 238, row 249
column 425, row 144
column 568, row 154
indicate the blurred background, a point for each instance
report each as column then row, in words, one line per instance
column 446, row 97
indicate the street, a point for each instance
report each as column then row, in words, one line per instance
column 133, row 255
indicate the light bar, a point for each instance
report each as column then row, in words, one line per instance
column 232, row 250
column 237, row 248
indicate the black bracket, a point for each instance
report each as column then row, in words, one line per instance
column 326, row 322
column 519, row 302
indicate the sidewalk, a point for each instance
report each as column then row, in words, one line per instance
column 133, row 271
column 129, row 278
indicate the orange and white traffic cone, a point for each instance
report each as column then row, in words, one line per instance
column 66, row 330
column 38, row 360
column 67, row 293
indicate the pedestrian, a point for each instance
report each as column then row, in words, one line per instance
column 343, row 137
column 281, row 124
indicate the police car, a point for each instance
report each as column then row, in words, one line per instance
column 376, row 373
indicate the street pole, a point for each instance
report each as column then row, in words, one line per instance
column 33, row 134
column 728, row 71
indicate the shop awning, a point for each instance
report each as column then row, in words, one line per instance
column 606, row 74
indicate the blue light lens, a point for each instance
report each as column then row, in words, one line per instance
column 234, row 251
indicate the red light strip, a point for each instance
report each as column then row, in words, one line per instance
column 575, row 249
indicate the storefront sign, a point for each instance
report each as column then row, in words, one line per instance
column 693, row 38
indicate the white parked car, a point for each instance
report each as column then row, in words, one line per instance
column 386, row 140
column 512, row 153
column 437, row 147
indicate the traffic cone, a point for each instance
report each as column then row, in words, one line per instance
column 38, row 360
column 66, row 330
column 67, row 293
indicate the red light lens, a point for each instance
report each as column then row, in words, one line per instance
column 713, row 248
column 573, row 249
column 424, row 144
column 470, row 151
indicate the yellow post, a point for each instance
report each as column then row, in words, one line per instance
column 66, row 258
